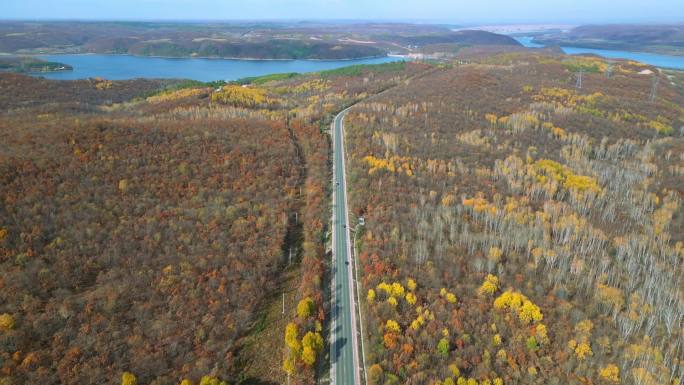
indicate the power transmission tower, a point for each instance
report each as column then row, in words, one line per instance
column 578, row 85
column 654, row 87
column 609, row 70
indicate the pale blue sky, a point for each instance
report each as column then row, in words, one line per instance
column 454, row 11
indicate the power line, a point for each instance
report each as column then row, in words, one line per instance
column 609, row 70
column 654, row 87
column 578, row 84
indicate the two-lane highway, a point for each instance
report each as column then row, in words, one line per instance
column 344, row 360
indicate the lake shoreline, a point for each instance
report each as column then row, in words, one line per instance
column 195, row 57
column 38, row 72
column 645, row 50
column 529, row 41
column 670, row 62
column 124, row 66
column 30, row 65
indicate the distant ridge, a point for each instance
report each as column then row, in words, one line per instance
column 665, row 39
column 473, row 37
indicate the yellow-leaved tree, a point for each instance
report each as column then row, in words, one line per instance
column 308, row 355
column 392, row 326
column 489, row 286
column 375, row 374
column 312, row 343
column 371, row 295
column 6, row 322
column 610, row 373
column 313, row 340
column 292, row 338
column 305, row 307
column 128, row 378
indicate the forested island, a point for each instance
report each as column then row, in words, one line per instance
column 24, row 64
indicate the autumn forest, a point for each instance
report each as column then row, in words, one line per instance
column 519, row 227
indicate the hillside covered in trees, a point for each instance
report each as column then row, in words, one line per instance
column 245, row 40
column 519, row 229
column 666, row 39
column 146, row 227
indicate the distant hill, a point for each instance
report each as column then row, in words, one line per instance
column 667, row 39
column 470, row 37
column 235, row 40
column 228, row 40
column 270, row 49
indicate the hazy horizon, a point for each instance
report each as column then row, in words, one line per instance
column 428, row 11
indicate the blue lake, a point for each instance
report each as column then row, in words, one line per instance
column 527, row 41
column 665, row 61
column 117, row 67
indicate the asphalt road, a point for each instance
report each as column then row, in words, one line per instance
column 344, row 358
